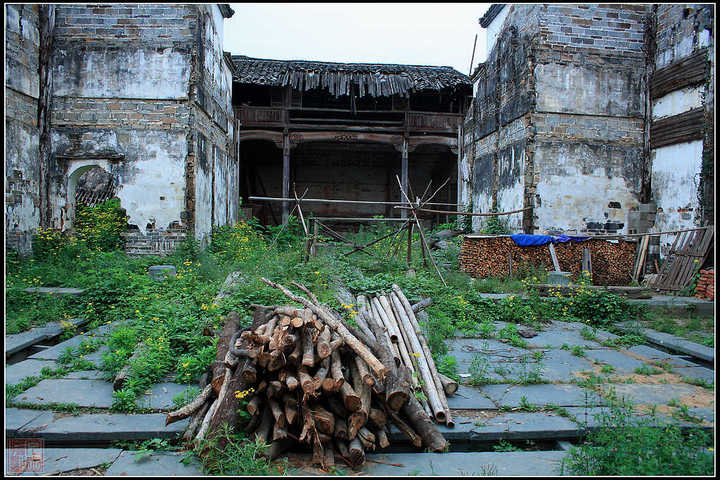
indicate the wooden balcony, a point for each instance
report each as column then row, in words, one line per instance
column 280, row 117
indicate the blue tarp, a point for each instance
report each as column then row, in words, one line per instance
column 524, row 239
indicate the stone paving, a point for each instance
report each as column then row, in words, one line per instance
column 531, row 393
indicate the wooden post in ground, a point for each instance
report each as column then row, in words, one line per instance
column 286, row 176
column 409, row 245
column 404, row 171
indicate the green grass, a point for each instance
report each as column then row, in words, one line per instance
column 698, row 329
column 631, row 446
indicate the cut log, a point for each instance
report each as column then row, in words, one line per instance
column 291, row 382
column 342, row 448
column 226, row 411
column 308, row 358
column 449, row 385
column 253, row 423
column 206, row 422
column 424, row 426
column 382, row 438
column 363, row 371
column 195, row 422
column 341, row 430
column 249, row 372
column 277, row 360
column 377, row 418
column 275, row 389
column 190, row 408
column 306, row 381
column 396, row 391
column 336, row 406
column 324, row 420
column 263, row 431
column 336, row 371
column 422, row 304
column 294, row 357
column 232, row 324
column 254, row 405
column 414, row 438
column 358, row 418
column 367, row 438
column 291, row 408
column 323, row 344
column 321, row 373
column 329, row 460
column 350, row 340
column 351, row 400
column 356, row 453
column 279, row 447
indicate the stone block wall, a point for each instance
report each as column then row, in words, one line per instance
column 22, row 132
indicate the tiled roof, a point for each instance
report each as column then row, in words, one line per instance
column 373, row 79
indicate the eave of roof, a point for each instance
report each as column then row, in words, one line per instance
column 490, row 15
column 374, row 79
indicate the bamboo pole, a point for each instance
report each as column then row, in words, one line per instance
column 404, row 303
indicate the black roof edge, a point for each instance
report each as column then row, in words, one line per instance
column 225, row 9
column 490, row 15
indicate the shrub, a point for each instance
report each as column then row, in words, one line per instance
column 100, row 226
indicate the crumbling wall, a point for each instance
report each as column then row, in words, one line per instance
column 215, row 164
column 121, row 76
column 497, row 150
column 681, row 135
column 22, row 132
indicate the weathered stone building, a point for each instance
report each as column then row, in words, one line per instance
column 599, row 117
column 140, row 90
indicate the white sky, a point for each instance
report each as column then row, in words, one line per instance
column 436, row 34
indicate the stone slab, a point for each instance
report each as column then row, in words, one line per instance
column 513, row 425
column 556, row 335
column 678, row 304
column 101, row 427
column 541, row 395
column 96, row 357
column 559, row 365
column 591, row 418
column 706, row 414
column 58, row 460
column 27, row 368
column 84, row 393
column 85, row 375
column 659, row 356
column 679, row 344
column 624, row 364
column 18, row 341
column 56, row 290
column 161, row 396
column 154, row 464
column 700, row 373
column 16, row 418
column 525, row 464
column 652, row 394
column 470, row 398
column 54, row 352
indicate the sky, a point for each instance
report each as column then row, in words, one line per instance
column 439, row 34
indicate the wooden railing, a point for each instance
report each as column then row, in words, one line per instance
column 276, row 117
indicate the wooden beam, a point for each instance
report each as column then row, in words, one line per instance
column 404, row 173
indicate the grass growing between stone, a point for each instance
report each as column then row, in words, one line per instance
column 627, row 445
column 171, row 321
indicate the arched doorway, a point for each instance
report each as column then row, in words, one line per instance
column 86, row 173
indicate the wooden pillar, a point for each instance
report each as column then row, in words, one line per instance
column 404, row 175
column 286, row 177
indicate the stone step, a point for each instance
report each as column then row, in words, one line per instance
column 671, row 342
column 56, row 291
column 19, row 341
column 95, row 393
column 66, row 429
column 161, row 464
column 55, row 460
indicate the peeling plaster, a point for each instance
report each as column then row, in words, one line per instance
column 677, row 102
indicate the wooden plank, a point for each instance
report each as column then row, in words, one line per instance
column 689, row 71
column 554, row 257
column 667, row 264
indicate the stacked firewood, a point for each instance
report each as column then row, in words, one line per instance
column 306, row 376
column 495, row 256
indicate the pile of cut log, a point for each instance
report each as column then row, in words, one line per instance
column 306, row 376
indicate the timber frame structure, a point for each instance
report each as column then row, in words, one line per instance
column 330, row 112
